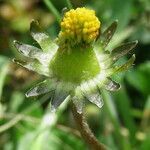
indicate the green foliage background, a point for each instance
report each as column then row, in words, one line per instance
column 123, row 123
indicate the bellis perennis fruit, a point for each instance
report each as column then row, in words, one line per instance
column 76, row 65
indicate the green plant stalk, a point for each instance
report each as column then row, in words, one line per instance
column 85, row 131
column 110, row 109
column 126, row 144
column 145, row 116
column 51, row 7
column 48, row 121
column 4, row 71
column 125, row 111
column 69, row 4
column 18, row 117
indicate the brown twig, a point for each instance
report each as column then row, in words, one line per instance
column 85, row 131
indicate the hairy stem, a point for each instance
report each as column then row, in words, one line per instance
column 85, row 131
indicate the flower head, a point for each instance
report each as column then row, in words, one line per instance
column 79, row 26
column 76, row 65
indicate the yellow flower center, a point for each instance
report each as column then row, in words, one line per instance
column 79, row 26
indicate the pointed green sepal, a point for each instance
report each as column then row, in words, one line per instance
column 41, row 88
column 59, row 98
column 107, row 35
column 95, row 98
column 42, row 38
column 91, row 92
column 34, row 66
column 111, row 85
column 33, row 52
column 125, row 66
column 122, row 50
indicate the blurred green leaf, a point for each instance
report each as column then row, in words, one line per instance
column 124, row 109
column 4, row 68
column 16, row 101
column 139, row 78
column 146, row 143
column 50, row 140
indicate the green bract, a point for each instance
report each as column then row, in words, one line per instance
column 79, row 72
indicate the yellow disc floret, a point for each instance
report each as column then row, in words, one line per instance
column 79, row 26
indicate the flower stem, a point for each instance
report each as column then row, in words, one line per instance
column 53, row 9
column 85, row 131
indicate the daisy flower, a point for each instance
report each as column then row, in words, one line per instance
column 77, row 64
